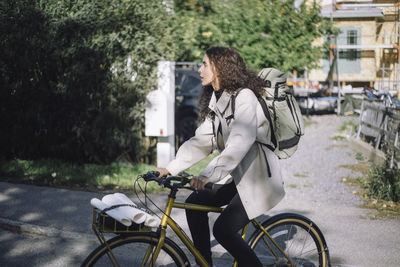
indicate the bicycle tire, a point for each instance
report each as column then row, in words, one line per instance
column 297, row 235
column 130, row 250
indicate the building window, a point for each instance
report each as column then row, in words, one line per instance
column 349, row 59
column 352, row 39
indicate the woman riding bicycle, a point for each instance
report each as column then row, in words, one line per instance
column 246, row 172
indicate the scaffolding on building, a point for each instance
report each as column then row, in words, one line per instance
column 386, row 45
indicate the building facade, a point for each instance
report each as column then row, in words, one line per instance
column 366, row 52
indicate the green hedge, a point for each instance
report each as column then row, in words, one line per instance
column 66, row 89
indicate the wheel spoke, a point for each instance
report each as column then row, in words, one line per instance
column 137, row 250
column 298, row 239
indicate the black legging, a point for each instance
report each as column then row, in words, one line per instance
column 226, row 227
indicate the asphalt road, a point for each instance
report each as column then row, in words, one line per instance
column 43, row 226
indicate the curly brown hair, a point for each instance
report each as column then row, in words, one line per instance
column 232, row 75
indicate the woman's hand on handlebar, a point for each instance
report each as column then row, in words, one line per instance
column 162, row 172
column 198, row 182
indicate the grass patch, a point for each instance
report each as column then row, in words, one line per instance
column 361, row 167
column 301, row 175
column 384, row 183
column 63, row 174
column 378, row 187
column 293, row 185
column 359, row 181
column 328, row 148
column 385, row 209
column 338, row 138
column 310, row 185
column 349, row 127
column 360, row 156
column 91, row 177
column 384, row 192
column 308, row 122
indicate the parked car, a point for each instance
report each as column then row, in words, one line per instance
column 187, row 90
column 317, row 105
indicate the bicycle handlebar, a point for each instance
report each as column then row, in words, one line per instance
column 168, row 181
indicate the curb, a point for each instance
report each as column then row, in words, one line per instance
column 21, row 227
column 27, row 228
column 372, row 154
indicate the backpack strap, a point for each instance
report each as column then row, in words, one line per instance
column 233, row 97
column 295, row 119
column 268, row 116
column 266, row 160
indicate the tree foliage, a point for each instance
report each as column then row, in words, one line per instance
column 74, row 73
column 267, row 33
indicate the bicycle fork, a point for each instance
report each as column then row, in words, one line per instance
column 152, row 253
column 161, row 235
column 168, row 221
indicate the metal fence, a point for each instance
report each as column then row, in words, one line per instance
column 380, row 125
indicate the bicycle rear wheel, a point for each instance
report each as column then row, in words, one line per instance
column 297, row 236
column 131, row 250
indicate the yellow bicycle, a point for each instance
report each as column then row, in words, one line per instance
column 285, row 239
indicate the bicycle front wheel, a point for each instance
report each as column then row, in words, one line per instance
column 298, row 237
column 136, row 250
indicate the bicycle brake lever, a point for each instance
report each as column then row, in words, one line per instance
column 151, row 175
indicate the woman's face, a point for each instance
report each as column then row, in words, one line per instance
column 207, row 74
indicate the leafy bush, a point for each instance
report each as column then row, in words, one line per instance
column 74, row 75
column 384, row 183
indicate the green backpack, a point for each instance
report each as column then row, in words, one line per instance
column 282, row 111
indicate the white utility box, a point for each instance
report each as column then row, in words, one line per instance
column 160, row 113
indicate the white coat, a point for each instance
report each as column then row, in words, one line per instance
column 242, row 155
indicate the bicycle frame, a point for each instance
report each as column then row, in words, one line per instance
column 168, row 221
column 157, row 241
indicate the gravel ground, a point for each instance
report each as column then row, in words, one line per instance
column 314, row 188
column 313, row 173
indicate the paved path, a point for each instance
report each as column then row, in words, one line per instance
column 42, row 226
